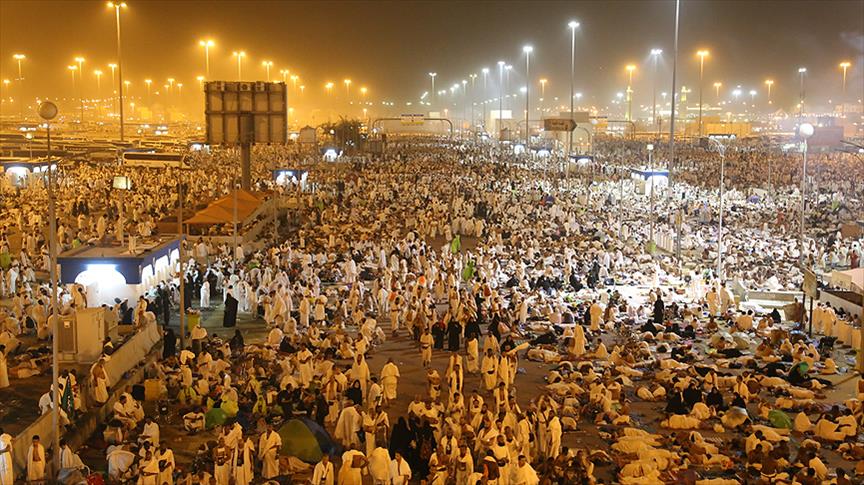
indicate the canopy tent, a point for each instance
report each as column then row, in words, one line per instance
column 221, row 211
column 306, row 440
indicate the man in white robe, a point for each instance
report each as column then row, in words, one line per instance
column 36, row 461
column 323, row 474
column 7, row 474
column 351, row 472
column 268, row 451
column 241, row 463
column 389, row 380
column 523, row 473
column 379, row 466
column 400, row 472
column 348, row 426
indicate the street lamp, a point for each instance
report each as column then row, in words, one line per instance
column 500, row 96
column 347, row 83
column 573, row 25
column 630, row 68
column 702, row 55
column 801, row 72
column 527, row 50
column 20, row 57
column 294, row 79
column 485, row 72
column 717, row 86
column 206, row 44
column 843, row 65
column 48, row 111
column 117, row 6
column 721, row 149
column 200, row 80
column 769, row 83
column 267, row 65
column 655, row 55
column 432, row 76
column 284, row 73
column 805, row 131
column 543, row 88
column 239, row 55
column 329, row 88
column 752, row 96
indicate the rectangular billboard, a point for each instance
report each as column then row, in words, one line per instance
column 245, row 112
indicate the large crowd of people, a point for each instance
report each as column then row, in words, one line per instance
column 479, row 264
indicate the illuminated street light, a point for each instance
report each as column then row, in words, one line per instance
column 329, row 88
column 239, row 55
column 702, row 55
column 117, row 6
column 844, row 65
column 717, row 87
column 802, row 71
column 769, row 83
column 294, row 79
column 19, row 58
column 200, row 80
column 206, row 44
column 527, row 50
column 363, row 91
column 630, row 68
column 98, row 75
column 573, row 25
column 543, row 88
column 267, row 65
column 752, row 96
column 284, row 73
column 148, row 82
column 500, row 96
column 432, row 76
column 655, row 55
column 347, row 83
column 302, row 88
column 180, row 90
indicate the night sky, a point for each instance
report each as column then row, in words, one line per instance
column 391, row 46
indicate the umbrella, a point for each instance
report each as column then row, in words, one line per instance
column 215, row 417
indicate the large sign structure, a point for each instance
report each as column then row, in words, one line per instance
column 242, row 113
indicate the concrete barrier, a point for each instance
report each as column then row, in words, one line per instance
column 126, row 358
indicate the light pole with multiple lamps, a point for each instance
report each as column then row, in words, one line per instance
column 20, row 58
column 206, row 44
column 239, row 55
column 117, row 6
column 721, row 149
column 500, row 97
column 769, row 83
column 843, row 65
column 702, row 55
column 573, row 25
column 630, row 68
column 802, row 71
column 655, row 55
column 527, row 50
column 48, row 111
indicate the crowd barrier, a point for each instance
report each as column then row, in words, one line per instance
column 124, row 359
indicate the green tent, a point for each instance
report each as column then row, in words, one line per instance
column 779, row 419
column 299, row 441
column 214, row 417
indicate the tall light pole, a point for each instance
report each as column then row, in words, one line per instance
column 843, row 65
column 630, row 68
column 805, row 131
column 239, row 55
column 267, row 65
column 148, row 82
column 721, row 149
column 501, row 96
column 802, row 71
column 329, row 88
column 573, row 25
column 717, row 87
column 769, row 83
column 527, row 50
column 284, row 73
column 702, row 55
column 485, row 72
column 655, row 56
column 294, row 79
column 432, row 76
column 206, row 44
column 117, row 6
column 20, row 58
column 80, row 62
column 347, row 83
column 48, row 111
